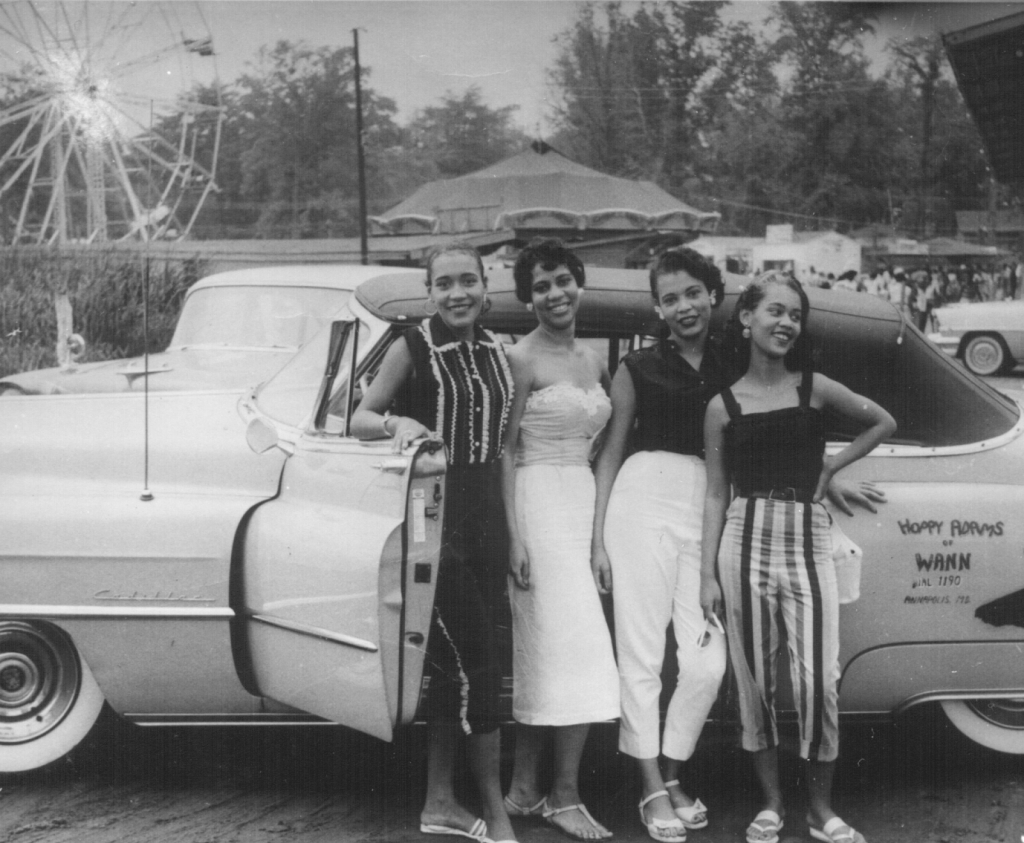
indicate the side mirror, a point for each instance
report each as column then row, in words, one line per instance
column 260, row 436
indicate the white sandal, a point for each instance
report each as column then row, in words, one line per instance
column 664, row 831
column 693, row 816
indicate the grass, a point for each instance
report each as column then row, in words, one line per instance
column 106, row 289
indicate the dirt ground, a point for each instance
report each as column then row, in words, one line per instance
column 917, row 780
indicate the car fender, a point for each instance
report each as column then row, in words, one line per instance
column 889, row 679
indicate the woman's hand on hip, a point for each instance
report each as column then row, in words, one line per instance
column 519, row 565
column 827, row 471
column 601, row 567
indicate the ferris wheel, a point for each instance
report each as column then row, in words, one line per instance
column 110, row 120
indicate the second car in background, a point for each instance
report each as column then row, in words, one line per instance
column 987, row 336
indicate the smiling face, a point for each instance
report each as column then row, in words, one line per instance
column 555, row 296
column 457, row 288
column 776, row 321
column 685, row 305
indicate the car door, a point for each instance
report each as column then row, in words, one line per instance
column 339, row 570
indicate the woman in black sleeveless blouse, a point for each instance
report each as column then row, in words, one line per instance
column 765, row 435
column 448, row 379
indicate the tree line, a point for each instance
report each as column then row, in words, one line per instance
column 782, row 121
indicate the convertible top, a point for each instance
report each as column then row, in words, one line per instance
column 618, row 301
column 859, row 339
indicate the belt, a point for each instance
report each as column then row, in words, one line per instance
column 784, row 494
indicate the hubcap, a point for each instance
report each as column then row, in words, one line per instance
column 39, row 680
column 1005, row 713
column 985, row 356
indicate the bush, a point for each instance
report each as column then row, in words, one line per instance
column 106, row 290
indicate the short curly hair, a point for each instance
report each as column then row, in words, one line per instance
column 549, row 254
column 694, row 264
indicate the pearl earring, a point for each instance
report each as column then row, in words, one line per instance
column 746, row 333
column 529, row 306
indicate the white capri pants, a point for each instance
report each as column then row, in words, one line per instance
column 652, row 534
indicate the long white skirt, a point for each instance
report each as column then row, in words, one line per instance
column 563, row 667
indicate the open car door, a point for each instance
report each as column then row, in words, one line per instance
column 339, row 570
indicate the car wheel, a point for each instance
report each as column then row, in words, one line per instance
column 985, row 354
column 11, row 389
column 995, row 723
column 49, row 699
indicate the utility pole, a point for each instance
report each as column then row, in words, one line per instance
column 363, row 247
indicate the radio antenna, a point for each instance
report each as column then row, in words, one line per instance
column 146, row 494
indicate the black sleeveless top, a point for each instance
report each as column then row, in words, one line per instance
column 777, row 449
column 461, row 390
column 672, row 396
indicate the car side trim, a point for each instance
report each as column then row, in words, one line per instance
column 25, row 610
column 317, row 632
column 938, row 696
column 257, row 719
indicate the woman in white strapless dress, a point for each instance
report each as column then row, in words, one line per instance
column 564, row 673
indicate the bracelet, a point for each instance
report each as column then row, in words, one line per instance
column 384, row 424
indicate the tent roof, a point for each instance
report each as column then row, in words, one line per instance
column 541, row 188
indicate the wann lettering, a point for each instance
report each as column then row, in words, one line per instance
column 943, row 562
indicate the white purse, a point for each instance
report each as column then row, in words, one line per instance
column 847, row 557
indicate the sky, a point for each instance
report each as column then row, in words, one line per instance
column 416, row 50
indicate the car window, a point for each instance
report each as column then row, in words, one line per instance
column 289, row 396
column 256, row 316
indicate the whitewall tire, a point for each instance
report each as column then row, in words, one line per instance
column 995, row 723
column 49, row 699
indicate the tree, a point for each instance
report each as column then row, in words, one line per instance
column 296, row 126
column 630, row 89
column 939, row 131
column 463, row 134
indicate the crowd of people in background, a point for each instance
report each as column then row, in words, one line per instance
column 920, row 290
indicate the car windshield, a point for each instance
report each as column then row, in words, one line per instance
column 256, row 316
column 289, row 396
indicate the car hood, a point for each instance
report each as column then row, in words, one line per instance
column 172, row 370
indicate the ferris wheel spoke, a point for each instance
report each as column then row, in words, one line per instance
column 143, row 145
column 71, row 36
column 50, row 130
column 23, row 109
column 17, row 29
column 77, row 158
column 19, row 148
column 45, row 31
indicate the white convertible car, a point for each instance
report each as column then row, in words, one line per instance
column 259, row 565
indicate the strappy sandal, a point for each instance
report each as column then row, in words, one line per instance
column 550, row 813
column 514, row 809
column 664, row 831
column 832, row 832
column 478, row 831
column 765, row 827
column 692, row 816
